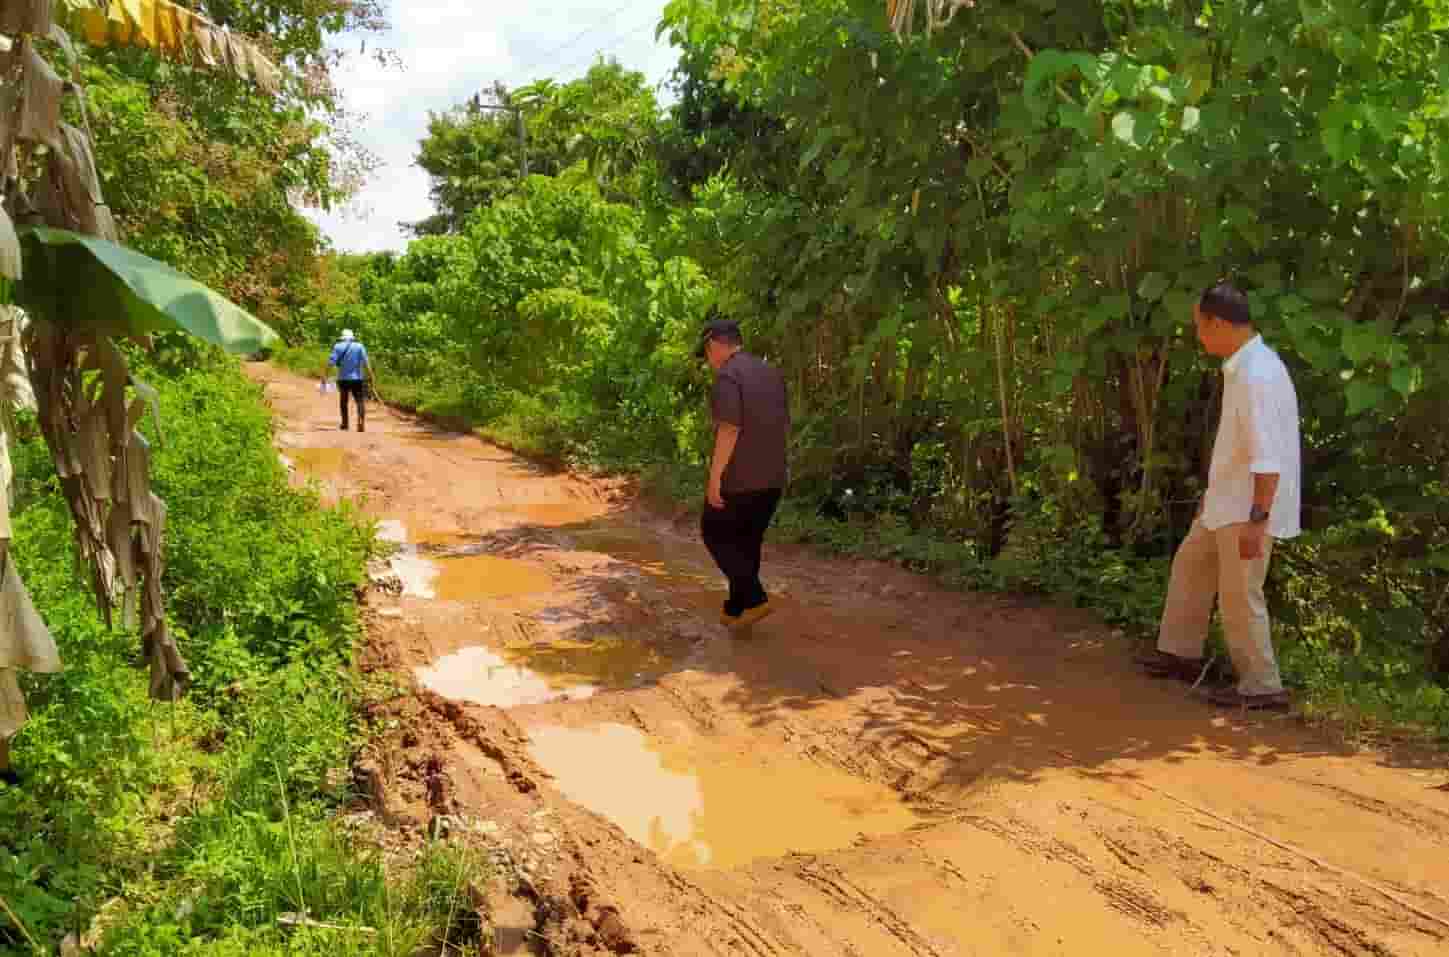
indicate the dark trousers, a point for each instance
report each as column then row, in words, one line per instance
column 734, row 535
column 358, row 390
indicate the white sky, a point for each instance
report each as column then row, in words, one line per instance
column 451, row 49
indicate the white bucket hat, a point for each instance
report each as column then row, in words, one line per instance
column 347, row 335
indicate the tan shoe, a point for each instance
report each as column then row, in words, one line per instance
column 751, row 616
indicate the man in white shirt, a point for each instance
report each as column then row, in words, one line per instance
column 1253, row 499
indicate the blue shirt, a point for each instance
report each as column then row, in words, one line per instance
column 349, row 357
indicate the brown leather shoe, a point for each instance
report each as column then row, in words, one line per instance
column 1161, row 664
column 750, row 616
column 1233, row 698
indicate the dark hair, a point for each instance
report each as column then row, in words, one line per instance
column 730, row 336
column 1225, row 301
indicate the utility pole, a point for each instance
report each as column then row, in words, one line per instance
column 522, row 132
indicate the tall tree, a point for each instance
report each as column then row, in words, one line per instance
column 604, row 122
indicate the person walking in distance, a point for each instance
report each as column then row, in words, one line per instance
column 748, row 469
column 1252, row 500
column 350, row 359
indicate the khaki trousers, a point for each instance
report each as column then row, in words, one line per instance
column 1207, row 566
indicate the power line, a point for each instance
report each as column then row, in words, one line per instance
column 611, row 45
column 539, row 61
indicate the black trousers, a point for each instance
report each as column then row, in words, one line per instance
column 734, row 535
column 357, row 388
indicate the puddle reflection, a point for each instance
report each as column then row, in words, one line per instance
column 537, row 673
column 706, row 810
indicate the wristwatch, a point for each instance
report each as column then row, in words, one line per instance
column 1258, row 515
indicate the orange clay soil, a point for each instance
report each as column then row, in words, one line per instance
column 882, row 768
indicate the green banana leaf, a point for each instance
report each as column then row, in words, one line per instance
column 90, row 284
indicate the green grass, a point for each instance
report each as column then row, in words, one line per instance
column 190, row 828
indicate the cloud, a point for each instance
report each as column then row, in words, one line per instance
column 449, row 50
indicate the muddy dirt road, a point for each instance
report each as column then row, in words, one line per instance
column 884, row 768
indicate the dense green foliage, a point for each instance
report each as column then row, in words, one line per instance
column 190, row 828
column 601, row 126
column 975, row 254
column 262, row 583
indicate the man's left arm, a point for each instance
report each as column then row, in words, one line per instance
column 727, row 406
column 1265, row 460
column 726, row 437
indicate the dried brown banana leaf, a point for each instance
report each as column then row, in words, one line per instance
column 138, row 477
column 169, row 675
column 25, row 642
column 114, row 375
column 120, row 539
column 73, row 174
column 10, row 264
column 238, row 55
column 206, row 42
column 26, row 16
column 40, row 89
column 15, row 388
column 46, row 197
column 95, row 453
column 268, row 77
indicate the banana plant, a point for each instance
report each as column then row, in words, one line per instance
column 70, row 295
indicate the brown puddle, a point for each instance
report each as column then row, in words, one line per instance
column 535, row 674
column 714, row 810
column 700, row 588
column 487, row 576
column 553, row 514
column 320, row 462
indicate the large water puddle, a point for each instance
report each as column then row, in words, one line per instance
column 699, row 587
column 320, row 463
column 457, row 577
column 544, row 672
column 714, row 810
column 467, row 577
column 552, row 514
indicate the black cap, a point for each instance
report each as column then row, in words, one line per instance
column 717, row 329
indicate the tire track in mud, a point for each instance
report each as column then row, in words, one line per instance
column 1013, row 732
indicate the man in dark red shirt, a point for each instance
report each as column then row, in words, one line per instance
column 748, row 472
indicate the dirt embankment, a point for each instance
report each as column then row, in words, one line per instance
column 884, row 768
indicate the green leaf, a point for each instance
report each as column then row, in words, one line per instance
column 1179, row 304
column 979, row 166
column 822, row 139
column 1363, row 342
column 1407, row 380
column 1191, row 119
column 1364, row 395
column 96, row 286
column 1162, row 94
column 1072, row 117
column 1152, row 286
column 1124, row 127
column 1214, row 240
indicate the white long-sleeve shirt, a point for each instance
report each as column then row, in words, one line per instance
column 1258, row 434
